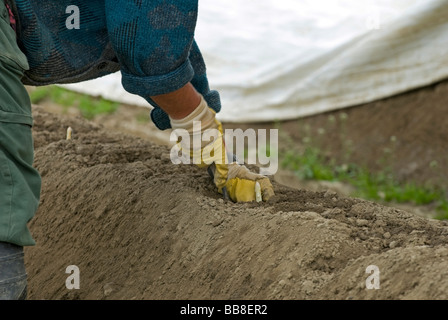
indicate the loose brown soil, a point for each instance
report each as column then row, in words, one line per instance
column 139, row 227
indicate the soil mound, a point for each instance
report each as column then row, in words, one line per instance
column 139, row 227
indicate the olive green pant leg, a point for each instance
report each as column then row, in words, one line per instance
column 20, row 183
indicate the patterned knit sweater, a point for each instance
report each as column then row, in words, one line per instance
column 151, row 42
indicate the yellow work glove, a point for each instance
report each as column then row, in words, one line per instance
column 231, row 179
column 240, row 184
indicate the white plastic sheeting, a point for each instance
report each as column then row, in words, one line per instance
column 285, row 59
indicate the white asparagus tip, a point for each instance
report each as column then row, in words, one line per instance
column 258, row 197
column 69, row 133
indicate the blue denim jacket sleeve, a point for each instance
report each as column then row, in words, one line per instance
column 151, row 42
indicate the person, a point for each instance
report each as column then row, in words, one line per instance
column 150, row 42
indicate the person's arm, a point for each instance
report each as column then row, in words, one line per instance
column 161, row 62
column 180, row 103
column 184, row 107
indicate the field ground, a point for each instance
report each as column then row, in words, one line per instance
column 139, row 227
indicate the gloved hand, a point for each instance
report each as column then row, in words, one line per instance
column 230, row 178
column 240, row 184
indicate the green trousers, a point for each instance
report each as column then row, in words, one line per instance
column 20, row 183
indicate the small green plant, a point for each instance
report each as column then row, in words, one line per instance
column 88, row 106
column 380, row 186
column 39, row 94
column 442, row 213
column 143, row 117
column 92, row 107
column 309, row 165
column 308, row 162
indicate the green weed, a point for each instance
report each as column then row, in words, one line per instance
column 88, row 106
column 309, row 162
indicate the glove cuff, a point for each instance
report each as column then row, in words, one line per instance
column 202, row 113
